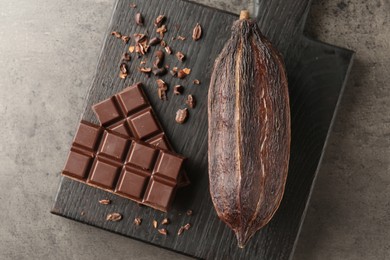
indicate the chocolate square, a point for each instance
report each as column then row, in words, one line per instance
column 121, row 128
column 132, row 99
column 77, row 165
column 159, row 194
column 132, row 183
column 143, row 124
column 142, row 156
column 114, row 145
column 160, row 142
column 168, row 165
column 107, row 111
column 87, row 136
column 104, row 173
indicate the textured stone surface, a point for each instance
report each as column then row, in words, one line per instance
column 48, row 53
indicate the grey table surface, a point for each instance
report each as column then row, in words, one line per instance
column 48, row 53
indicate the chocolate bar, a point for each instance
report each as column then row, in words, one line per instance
column 124, row 166
column 129, row 113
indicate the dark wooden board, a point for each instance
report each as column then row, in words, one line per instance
column 316, row 72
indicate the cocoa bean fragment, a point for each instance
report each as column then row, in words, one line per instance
column 139, row 19
column 191, row 101
column 180, row 56
column 181, row 115
column 154, row 41
column 197, row 32
column 115, row 217
column 159, row 20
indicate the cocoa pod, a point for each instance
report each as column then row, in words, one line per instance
column 249, row 130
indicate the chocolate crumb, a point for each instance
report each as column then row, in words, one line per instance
column 187, row 226
column 189, row 212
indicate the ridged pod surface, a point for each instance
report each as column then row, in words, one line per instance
column 249, row 131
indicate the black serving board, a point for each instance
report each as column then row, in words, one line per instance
column 316, row 73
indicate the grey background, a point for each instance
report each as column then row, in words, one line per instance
column 48, row 54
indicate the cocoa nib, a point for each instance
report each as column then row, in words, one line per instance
column 163, row 231
column 139, row 37
column 180, row 231
column 123, row 71
column 162, row 30
column 145, row 70
column 181, row 74
column 155, row 223
column 181, row 38
column 162, row 89
column 178, row 89
column 196, row 82
column 168, row 50
column 114, row 217
column 163, row 43
column 137, row 221
column 126, row 57
column 189, row 212
column 197, row 32
column 133, row 5
column 159, row 55
column 159, row 20
column 125, row 38
column 154, row 41
column 174, row 71
column 165, row 221
column 159, row 71
column 105, row 202
column 181, row 115
column 116, row 34
column 180, row 56
column 191, row 101
column 139, row 19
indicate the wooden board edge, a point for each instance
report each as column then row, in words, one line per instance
column 307, row 203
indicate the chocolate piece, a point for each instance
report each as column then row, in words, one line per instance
column 132, row 183
column 87, row 136
column 125, row 166
column 114, row 146
column 141, row 156
column 107, row 111
column 77, row 165
column 104, row 173
column 143, row 124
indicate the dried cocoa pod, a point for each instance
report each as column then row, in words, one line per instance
column 249, row 130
